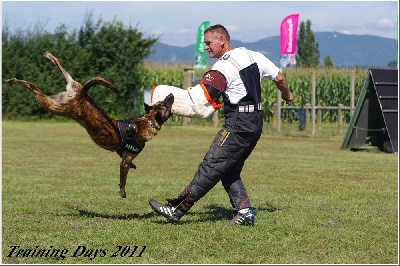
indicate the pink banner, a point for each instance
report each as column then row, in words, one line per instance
column 289, row 34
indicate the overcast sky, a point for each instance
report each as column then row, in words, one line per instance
column 176, row 22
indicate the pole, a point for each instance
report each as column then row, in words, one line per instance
column 313, row 104
column 352, row 94
column 278, row 111
column 187, row 82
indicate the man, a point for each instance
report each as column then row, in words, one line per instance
column 237, row 77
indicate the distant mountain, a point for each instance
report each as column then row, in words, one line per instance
column 344, row 50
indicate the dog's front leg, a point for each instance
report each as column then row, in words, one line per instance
column 123, row 171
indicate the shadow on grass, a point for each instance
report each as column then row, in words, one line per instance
column 210, row 213
column 92, row 214
column 214, row 212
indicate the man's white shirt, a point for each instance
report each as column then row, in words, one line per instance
column 236, row 90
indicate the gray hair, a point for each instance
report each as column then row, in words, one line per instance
column 219, row 29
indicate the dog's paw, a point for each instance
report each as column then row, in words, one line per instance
column 122, row 193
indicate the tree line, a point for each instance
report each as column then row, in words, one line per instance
column 98, row 48
column 117, row 52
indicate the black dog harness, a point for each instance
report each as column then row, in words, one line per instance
column 129, row 139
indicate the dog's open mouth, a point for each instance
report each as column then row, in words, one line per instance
column 168, row 101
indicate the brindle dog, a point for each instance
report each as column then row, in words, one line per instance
column 75, row 103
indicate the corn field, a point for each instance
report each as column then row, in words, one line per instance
column 332, row 87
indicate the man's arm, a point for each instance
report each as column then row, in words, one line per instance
column 281, row 84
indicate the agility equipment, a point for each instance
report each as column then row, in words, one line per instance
column 375, row 119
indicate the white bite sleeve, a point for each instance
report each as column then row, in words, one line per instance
column 189, row 103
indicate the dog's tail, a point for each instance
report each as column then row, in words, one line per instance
column 97, row 80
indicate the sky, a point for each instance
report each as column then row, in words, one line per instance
column 176, row 22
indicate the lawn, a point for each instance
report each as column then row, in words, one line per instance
column 314, row 203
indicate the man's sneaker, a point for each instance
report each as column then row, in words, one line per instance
column 166, row 210
column 243, row 217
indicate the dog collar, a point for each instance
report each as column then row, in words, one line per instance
column 152, row 124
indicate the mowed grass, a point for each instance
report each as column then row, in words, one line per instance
column 315, row 203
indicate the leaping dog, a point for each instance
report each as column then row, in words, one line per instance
column 126, row 137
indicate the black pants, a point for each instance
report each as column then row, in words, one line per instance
column 224, row 161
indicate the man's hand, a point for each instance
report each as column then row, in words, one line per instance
column 281, row 84
column 288, row 98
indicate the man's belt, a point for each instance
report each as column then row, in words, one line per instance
column 249, row 108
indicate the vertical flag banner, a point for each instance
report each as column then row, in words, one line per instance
column 200, row 52
column 288, row 35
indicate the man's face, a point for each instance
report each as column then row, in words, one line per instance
column 213, row 44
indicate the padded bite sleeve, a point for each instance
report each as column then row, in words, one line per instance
column 192, row 102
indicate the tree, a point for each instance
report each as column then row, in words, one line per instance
column 307, row 47
column 107, row 49
column 328, row 63
column 116, row 53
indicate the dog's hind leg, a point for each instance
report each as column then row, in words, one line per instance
column 123, row 172
column 47, row 102
column 72, row 85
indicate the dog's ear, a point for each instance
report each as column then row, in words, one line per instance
column 147, row 108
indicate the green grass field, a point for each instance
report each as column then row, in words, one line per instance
column 314, row 203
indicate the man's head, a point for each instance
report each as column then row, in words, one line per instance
column 217, row 41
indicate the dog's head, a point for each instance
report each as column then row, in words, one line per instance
column 160, row 111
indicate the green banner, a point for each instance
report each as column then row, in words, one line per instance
column 200, row 52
